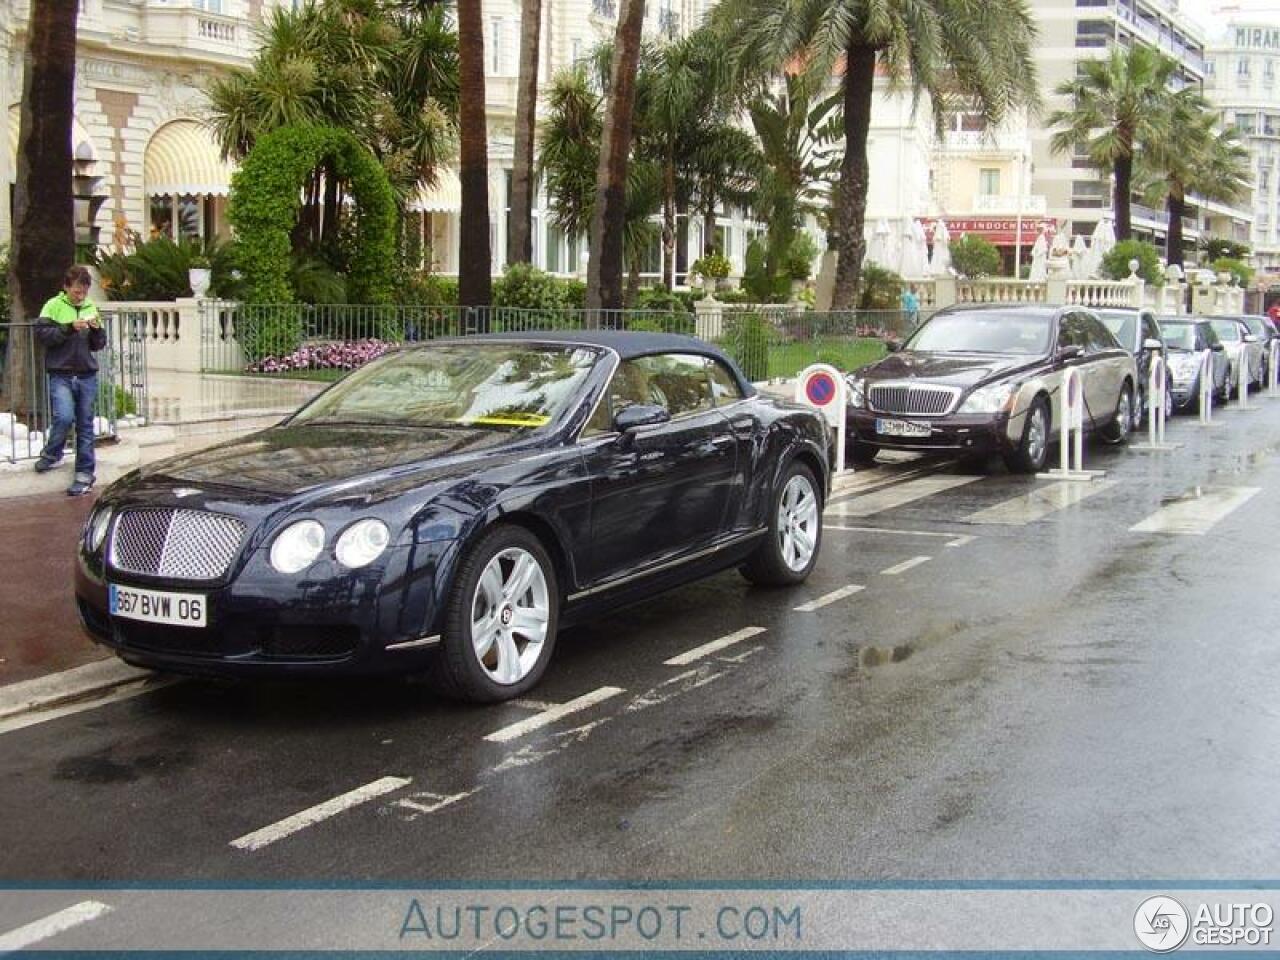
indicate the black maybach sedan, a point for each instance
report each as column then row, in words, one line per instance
column 450, row 506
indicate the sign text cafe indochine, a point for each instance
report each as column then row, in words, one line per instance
column 1002, row 231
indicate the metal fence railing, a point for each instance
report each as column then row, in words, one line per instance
column 323, row 342
column 24, row 397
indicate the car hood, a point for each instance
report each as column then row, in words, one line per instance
column 288, row 460
column 953, row 369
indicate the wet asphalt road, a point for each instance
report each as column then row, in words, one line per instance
column 1060, row 699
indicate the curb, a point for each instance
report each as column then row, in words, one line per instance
column 57, row 689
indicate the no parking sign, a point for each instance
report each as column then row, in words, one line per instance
column 822, row 387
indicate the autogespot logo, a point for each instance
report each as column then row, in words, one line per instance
column 1161, row 924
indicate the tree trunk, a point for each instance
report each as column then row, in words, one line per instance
column 709, row 228
column 520, row 239
column 669, row 223
column 1176, row 206
column 1122, row 202
column 44, row 240
column 855, row 174
column 474, row 256
column 331, row 212
column 608, row 219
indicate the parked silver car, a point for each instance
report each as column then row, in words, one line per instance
column 1188, row 339
column 1244, row 352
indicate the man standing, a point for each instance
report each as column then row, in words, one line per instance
column 71, row 331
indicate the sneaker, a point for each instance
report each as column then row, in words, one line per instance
column 82, row 485
column 44, row 465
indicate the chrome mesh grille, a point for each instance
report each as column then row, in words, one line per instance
column 184, row 544
column 911, row 399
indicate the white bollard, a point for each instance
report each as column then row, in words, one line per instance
column 1273, row 375
column 1156, row 402
column 1071, row 421
column 1242, row 402
column 1206, row 388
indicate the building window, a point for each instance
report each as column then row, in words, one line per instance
column 1091, row 194
column 495, row 47
column 989, row 182
column 1093, row 33
column 161, row 217
column 1247, row 122
column 1242, row 67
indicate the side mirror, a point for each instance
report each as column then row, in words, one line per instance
column 1217, row 348
column 893, row 346
column 632, row 418
column 1151, row 343
column 1250, row 338
column 1071, row 352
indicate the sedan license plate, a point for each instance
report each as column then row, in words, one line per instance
column 156, row 606
column 901, row 428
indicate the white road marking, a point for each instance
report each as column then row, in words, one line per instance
column 953, row 539
column 743, row 656
column 904, row 566
column 125, row 691
column 681, row 683
column 532, row 704
column 829, row 598
column 1039, row 503
column 551, row 715
column 417, row 804
column 530, row 753
column 896, row 495
column 52, row 925
column 697, row 653
column 320, row 812
column 1197, row 512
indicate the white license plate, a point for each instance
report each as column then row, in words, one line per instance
column 157, row 606
column 900, row 428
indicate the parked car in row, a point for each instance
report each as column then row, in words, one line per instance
column 1188, row 341
column 1139, row 333
column 1244, row 352
column 1265, row 330
column 984, row 379
column 449, row 506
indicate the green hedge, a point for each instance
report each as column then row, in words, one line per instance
column 266, row 193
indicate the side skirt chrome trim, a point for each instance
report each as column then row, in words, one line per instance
column 622, row 581
column 414, row 644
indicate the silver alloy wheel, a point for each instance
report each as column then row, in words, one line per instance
column 798, row 522
column 1037, row 436
column 1124, row 414
column 1168, row 401
column 509, row 615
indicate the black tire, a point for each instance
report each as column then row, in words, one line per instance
column 860, row 454
column 1117, row 430
column 461, row 672
column 1224, row 395
column 767, row 566
column 1168, row 399
column 1031, row 456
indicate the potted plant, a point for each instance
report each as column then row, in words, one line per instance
column 712, row 268
column 199, row 275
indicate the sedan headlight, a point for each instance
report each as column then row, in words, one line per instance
column 361, row 543
column 990, row 399
column 297, row 546
column 857, row 391
column 98, row 525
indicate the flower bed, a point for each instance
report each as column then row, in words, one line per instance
column 338, row 355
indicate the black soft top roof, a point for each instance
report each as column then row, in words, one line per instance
column 627, row 345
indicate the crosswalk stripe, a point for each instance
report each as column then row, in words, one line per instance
column 1196, row 512
column 896, row 496
column 1039, row 503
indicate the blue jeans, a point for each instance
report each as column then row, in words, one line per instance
column 71, row 398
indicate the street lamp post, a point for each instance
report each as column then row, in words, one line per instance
column 1017, row 230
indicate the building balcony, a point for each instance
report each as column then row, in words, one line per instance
column 196, row 31
column 985, row 142
column 1030, row 204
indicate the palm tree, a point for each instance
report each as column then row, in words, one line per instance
column 940, row 48
column 725, row 166
column 43, row 215
column 604, row 274
column 475, row 263
column 1198, row 160
column 1120, row 106
column 520, row 237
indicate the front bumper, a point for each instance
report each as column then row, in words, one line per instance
column 260, row 623
column 957, row 433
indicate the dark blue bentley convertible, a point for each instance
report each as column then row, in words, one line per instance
column 449, row 506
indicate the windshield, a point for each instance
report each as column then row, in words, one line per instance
column 1122, row 324
column 1226, row 329
column 1178, row 336
column 984, row 331
column 500, row 386
column 1255, row 326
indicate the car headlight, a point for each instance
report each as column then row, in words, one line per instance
column 98, row 525
column 857, row 391
column 990, row 399
column 297, row 546
column 361, row 543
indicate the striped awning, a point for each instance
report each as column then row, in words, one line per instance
column 183, row 159
column 444, row 197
